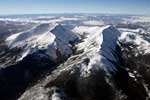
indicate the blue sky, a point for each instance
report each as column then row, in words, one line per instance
column 75, row 6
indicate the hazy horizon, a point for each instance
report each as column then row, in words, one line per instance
column 11, row 7
column 55, row 14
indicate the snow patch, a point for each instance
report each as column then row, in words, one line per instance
column 93, row 22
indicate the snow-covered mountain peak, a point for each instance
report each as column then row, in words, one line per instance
column 31, row 37
column 99, row 47
column 103, row 36
column 52, row 37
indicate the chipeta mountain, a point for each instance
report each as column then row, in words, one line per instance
column 75, row 57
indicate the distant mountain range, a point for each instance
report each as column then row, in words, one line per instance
column 74, row 57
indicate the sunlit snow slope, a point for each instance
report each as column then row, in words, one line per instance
column 52, row 37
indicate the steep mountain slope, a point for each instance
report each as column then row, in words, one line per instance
column 135, row 49
column 51, row 37
column 37, row 50
column 89, row 75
